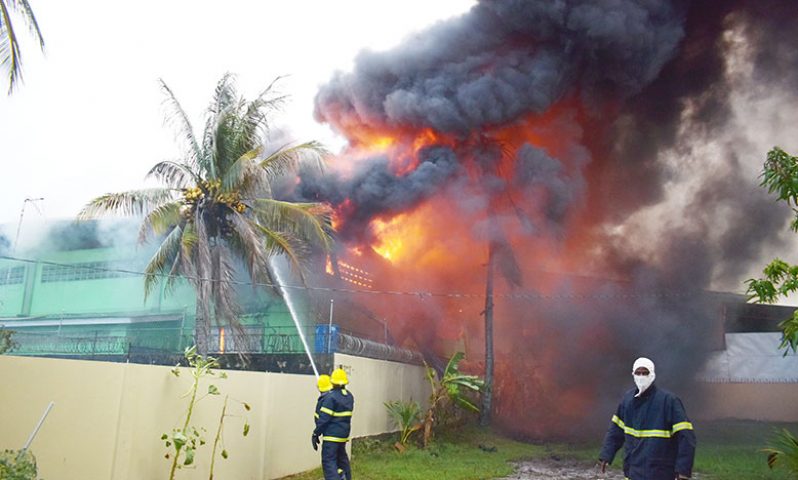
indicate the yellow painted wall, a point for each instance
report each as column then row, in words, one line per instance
column 108, row 417
column 374, row 382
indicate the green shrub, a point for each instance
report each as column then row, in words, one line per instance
column 16, row 465
column 407, row 416
column 784, row 451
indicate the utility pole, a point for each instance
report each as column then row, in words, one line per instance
column 487, row 394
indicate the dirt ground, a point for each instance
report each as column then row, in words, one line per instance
column 551, row 469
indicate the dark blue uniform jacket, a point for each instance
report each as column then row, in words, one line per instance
column 335, row 415
column 657, row 436
column 316, row 412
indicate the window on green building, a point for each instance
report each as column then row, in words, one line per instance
column 80, row 271
column 12, row 275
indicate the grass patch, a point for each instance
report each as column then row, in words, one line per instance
column 732, row 450
column 453, row 456
column 727, row 450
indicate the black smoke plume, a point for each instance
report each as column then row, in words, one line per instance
column 623, row 95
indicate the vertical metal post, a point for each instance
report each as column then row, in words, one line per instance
column 36, row 430
column 329, row 327
column 21, row 216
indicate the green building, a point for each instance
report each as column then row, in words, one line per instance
column 85, row 297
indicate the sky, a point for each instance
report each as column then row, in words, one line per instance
column 88, row 118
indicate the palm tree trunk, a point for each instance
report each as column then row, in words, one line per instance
column 201, row 330
column 487, row 394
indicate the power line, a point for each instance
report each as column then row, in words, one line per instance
column 419, row 294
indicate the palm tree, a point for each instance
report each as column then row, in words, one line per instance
column 216, row 206
column 10, row 54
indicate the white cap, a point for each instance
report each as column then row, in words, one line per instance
column 643, row 362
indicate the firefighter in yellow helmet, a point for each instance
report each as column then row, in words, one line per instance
column 333, row 426
column 324, row 385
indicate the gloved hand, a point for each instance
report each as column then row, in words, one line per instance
column 314, row 440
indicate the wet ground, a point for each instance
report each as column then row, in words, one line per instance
column 550, row 469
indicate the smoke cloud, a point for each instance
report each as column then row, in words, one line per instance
column 611, row 150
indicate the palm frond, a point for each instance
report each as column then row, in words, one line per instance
column 245, row 170
column 225, row 148
column 224, row 96
column 160, row 220
column 10, row 53
column 251, row 248
column 184, row 131
column 308, row 221
column 189, row 241
column 277, row 243
column 254, row 126
column 9, row 48
column 178, row 267
column 134, row 202
column 269, row 99
column 165, row 254
column 287, row 157
column 27, row 14
column 173, row 174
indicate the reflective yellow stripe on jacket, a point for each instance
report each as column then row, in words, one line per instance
column 336, row 414
column 651, row 433
column 334, row 439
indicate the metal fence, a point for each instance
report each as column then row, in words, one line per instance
column 169, row 343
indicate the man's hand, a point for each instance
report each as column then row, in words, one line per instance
column 602, row 465
column 679, row 476
column 314, row 440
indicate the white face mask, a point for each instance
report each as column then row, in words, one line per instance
column 643, row 382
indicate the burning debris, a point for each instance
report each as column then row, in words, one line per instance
column 567, row 138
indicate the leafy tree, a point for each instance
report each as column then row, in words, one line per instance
column 780, row 176
column 216, row 207
column 10, row 53
column 450, row 389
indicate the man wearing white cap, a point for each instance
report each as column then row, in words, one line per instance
column 652, row 426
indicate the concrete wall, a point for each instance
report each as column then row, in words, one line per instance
column 108, row 417
column 772, row 402
column 374, row 382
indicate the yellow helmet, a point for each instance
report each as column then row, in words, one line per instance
column 324, row 383
column 339, row 377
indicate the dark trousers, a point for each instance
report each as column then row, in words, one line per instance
column 333, row 457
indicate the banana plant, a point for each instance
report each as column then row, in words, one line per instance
column 450, row 388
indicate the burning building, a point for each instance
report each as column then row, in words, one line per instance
column 597, row 157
